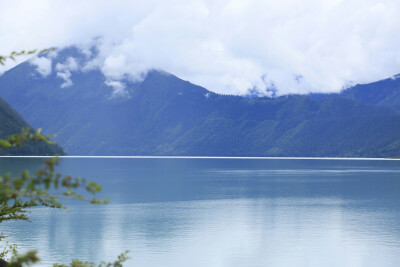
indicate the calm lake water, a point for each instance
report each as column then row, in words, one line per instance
column 222, row 212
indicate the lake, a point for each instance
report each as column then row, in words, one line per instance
column 222, row 212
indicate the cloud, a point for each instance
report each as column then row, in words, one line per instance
column 43, row 65
column 70, row 64
column 64, row 71
column 66, row 76
column 118, row 89
column 227, row 46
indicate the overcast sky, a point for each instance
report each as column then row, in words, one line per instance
column 294, row 46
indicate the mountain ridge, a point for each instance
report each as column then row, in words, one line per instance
column 13, row 123
column 164, row 115
column 385, row 92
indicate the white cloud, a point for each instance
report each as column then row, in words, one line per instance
column 228, row 46
column 66, row 76
column 43, row 65
column 118, row 89
column 70, row 65
column 64, row 71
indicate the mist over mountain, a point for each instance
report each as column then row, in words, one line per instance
column 159, row 114
column 383, row 93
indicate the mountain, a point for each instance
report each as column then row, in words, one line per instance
column 164, row 115
column 12, row 123
column 384, row 93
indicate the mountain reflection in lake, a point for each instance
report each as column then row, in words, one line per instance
column 222, row 212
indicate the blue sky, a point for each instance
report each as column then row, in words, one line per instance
column 227, row 46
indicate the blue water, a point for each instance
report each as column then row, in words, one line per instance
column 222, row 212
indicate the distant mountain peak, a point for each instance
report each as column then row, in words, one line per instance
column 395, row 77
column 161, row 114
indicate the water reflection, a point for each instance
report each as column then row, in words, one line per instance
column 243, row 213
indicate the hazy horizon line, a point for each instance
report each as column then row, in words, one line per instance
column 206, row 157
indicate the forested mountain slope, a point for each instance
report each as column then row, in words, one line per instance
column 164, row 115
column 12, row 123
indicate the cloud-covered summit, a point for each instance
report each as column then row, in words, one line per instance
column 227, row 46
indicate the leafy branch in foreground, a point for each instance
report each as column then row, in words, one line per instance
column 7, row 248
column 26, row 135
column 118, row 263
column 47, row 188
column 24, row 259
column 19, row 193
column 31, row 257
column 14, row 54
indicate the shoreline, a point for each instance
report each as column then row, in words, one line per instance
column 206, row 157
